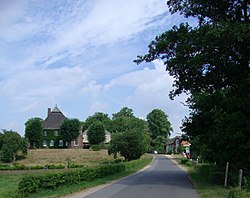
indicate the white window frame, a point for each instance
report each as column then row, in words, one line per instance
column 51, row 143
column 45, row 144
column 60, row 142
column 76, row 143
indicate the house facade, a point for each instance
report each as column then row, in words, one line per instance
column 173, row 145
column 52, row 137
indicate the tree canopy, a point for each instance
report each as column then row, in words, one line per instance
column 210, row 62
column 96, row 133
column 70, row 129
column 98, row 116
column 158, row 124
column 34, row 132
column 131, row 144
column 124, row 112
column 12, row 143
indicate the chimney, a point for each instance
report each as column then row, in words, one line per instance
column 49, row 111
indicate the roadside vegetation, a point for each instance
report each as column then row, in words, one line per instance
column 208, row 180
column 66, row 181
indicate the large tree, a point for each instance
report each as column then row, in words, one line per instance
column 158, row 124
column 124, row 112
column 34, row 132
column 70, row 129
column 12, row 144
column 96, row 133
column 210, row 62
column 131, row 144
column 98, row 116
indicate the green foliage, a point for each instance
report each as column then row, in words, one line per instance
column 130, row 144
column 122, row 124
column 1, row 141
column 70, row 129
column 211, row 63
column 96, row 133
column 32, row 184
column 34, row 132
column 12, row 143
column 158, row 124
column 98, row 116
column 96, row 147
column 124, row 112
column 237, row 193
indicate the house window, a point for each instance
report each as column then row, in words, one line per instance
column 51, row 143
column 66, row 143
column 76, row 143
column 45, row 133
column 60, row 142
column 55, row 133
column 45, row 143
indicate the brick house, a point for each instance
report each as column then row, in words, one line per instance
column 51, row 131
column 173, row 144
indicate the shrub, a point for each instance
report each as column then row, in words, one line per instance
column 184, row 161
column 237, row 193
column 32, row 184
column 96, row 147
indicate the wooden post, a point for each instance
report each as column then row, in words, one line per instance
column 240, row 178
column 226, row 174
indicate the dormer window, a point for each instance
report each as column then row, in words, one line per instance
column 45, row 133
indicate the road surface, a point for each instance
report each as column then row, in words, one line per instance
column 163, row 179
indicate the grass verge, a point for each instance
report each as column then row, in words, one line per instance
column 131, row 167
column 205, row 186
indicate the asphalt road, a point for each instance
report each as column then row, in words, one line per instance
column 163, row 179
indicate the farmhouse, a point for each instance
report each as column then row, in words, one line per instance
column 51, row 131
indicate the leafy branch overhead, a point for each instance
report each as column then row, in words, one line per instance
column 210, row 62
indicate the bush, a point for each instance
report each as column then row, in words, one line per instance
column 184, row 161
column 237, row 193
column 96, row 147
column 32, row 184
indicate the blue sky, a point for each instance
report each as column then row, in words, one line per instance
column 79, row 55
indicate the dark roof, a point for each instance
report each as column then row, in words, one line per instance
column 171, row 141
column 54, row 119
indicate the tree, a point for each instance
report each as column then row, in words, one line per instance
column 96, row 133
column 1, row 141
column 34, row 132
column 210, row 62
column 98, row 116
column 70, row 129
column 130, row 144
column 124, row 112
column 158, row 124
column 12, row 144
column 122, row 124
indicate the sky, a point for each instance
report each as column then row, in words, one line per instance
column 79, row 55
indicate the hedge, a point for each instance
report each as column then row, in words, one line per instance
column 32, row 184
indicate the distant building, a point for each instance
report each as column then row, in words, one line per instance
column 173, row 144
column 51, row 131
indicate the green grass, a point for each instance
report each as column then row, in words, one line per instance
column 9, row 182
column 131, row 167
column 206, row 188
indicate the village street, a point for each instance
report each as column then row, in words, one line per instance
column 162, row 179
